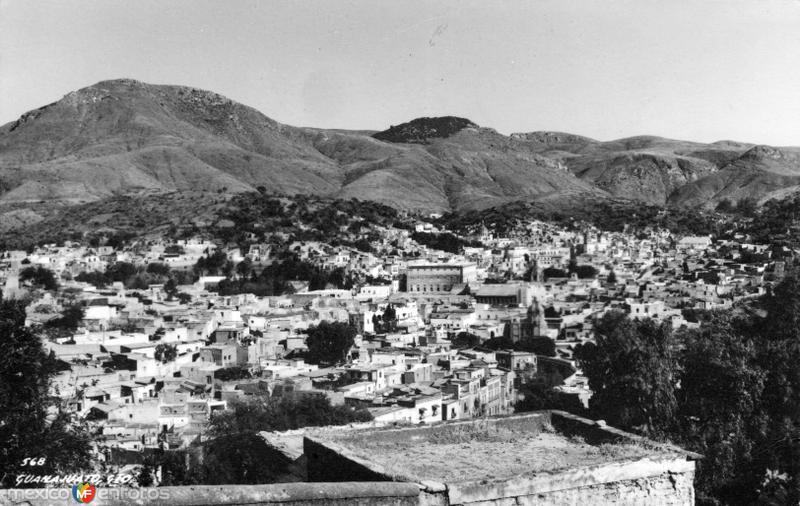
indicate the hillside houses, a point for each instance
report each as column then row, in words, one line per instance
column 150, row 368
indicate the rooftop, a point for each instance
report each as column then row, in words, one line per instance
column 499, row 290
column 496, row 448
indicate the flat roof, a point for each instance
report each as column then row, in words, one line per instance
column 498, row 290
column 499, row 448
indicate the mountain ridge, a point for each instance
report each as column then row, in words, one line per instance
column 125, row 136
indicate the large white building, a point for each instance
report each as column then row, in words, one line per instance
column 438, row 277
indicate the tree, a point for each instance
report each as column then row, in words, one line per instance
column 779, row 356
column 214, row 264
column 612, row 277
column 32, row 423
column 329, row 342
column 144, row 478
column 236, row 454
column 170, row 288
column 540, row 345
column 39, row 276
column 174, row 249
column 444, row 241
column 158, row 269
column 499, row 343
column 632, row 373
column 98, row 279
column 466, row 340
column 746, row 206
column 244, row 268
column 69, row 320
column 363, row 245
column 554, row 272
column 585, row 271
column 166, row 352
column 725, row 206
column 232, row 373
column 538, row 396
column 121, row 271
column 731, row 392
column 390, row 318
column 720, row 406
column 390, row 314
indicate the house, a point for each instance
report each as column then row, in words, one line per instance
column 225, row 355
column 516, row 360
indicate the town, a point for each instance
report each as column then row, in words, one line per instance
column 155, row 336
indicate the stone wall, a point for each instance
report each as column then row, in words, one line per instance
column 667, row 489
column 663, row 482
column 287, row 494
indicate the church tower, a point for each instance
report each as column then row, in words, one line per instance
column 536, row 325
column 536, row 271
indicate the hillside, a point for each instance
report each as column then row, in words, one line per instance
column 125, row 137
column 761, row 172
column 121, row 136
column 241, row 217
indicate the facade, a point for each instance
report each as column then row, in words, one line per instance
column 506, row 294
column 516, row 360
column 533, row 324
column 427, row 277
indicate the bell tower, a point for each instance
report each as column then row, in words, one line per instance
column 536, row 271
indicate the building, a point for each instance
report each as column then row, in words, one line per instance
column 545, row 466
column 532, row 325
column 504, row 294
column 225, row 355
column 439, row 277
column 691, row 242
column 516, row 360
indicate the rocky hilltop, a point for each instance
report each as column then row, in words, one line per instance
column 422, row 130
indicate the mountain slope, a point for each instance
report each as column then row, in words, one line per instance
column 471, row 167
column 118, row 136
column 671, row 172
column 760, row 173
column 124, row 137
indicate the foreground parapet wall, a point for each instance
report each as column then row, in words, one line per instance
column 660, row 474
column 287, row 494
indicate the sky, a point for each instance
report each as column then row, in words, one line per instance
column 697, row 70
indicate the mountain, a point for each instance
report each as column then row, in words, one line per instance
column 761, row 173
column 124, row 137
column 672, row 172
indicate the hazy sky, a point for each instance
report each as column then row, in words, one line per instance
column 699, row 70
